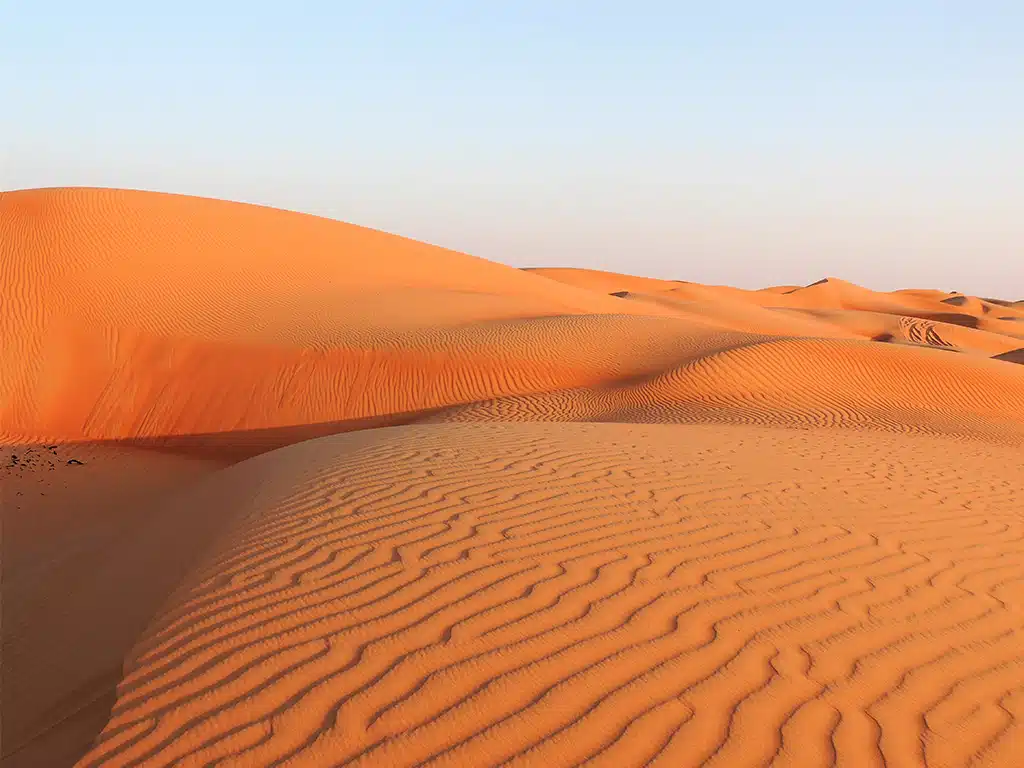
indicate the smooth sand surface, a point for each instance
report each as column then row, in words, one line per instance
column 87, row 555
column 574, row 518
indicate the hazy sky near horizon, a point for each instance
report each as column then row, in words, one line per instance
column 738, row 141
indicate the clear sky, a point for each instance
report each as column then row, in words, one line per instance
column 746, row 142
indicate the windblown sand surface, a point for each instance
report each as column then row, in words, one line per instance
column 279, row 490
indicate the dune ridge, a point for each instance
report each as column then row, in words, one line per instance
column 281, row 490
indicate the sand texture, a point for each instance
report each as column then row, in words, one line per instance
column 283, row 491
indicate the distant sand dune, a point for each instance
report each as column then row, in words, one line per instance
column 577, row 517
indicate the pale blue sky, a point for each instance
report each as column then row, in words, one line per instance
column 738, row 141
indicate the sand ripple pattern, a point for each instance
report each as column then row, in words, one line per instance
column 797, row 384
column 599, row 594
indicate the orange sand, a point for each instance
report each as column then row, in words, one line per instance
column 794, row 536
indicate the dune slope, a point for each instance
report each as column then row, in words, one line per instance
column 131, row 314
column 525, row 594
column 88, row 556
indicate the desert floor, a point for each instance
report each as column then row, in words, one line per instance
column 282, row 491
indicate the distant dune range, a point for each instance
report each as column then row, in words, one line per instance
column 786, row 526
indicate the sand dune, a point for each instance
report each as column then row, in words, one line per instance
column 131, row 297
column 776, row 526
column 800, row 383
column 545, row 594
column 145, row 315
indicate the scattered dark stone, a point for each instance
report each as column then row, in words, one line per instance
column 620, row 294
column 75, row 462
column 884, row 337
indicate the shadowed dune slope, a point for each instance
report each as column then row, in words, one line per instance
column 89, row 553
column 530, row 594
column 1013, row 356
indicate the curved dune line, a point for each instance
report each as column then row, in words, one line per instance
column 796, row 383
column 530, row 593
column 127, row 385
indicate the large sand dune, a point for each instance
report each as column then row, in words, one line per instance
column 785, row 527
column 543, row 594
